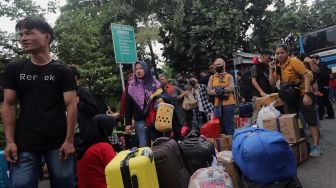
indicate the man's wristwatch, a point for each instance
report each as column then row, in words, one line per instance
column 307, row 93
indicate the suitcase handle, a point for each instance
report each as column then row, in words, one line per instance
column 128, row 180
column 160, row 140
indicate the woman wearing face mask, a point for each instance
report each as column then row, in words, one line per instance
column 293, row 73
column 140, row 87
column 221, row 86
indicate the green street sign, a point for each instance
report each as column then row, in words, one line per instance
column 124, row 43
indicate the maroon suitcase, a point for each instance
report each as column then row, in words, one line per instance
column 170, row 168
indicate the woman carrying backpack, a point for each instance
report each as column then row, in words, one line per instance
column 140, row 88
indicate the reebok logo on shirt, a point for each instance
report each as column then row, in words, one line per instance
column 35, row 77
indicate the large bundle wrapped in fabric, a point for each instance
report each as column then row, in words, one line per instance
column 263, row 156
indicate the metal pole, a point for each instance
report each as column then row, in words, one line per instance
column 122, row 76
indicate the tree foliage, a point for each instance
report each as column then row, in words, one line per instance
column 192, row 32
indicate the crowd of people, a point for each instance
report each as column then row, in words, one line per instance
column 59, row 119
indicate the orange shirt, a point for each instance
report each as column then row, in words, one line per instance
column 292, row 71
column 223, row 81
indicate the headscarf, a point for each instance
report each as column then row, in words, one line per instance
column 141, row 90
column 98, row 130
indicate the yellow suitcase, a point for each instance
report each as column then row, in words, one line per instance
column 133, row 168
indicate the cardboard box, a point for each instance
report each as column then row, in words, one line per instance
column 300, row 150
column 222, row 143
column 289, row 127
column 288, row 124
column 270, row 124
column 268, row 99
column 225, row 159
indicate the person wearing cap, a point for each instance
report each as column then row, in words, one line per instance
column 323, row 76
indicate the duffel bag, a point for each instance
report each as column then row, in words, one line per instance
column 263, row 156
column 197, row 153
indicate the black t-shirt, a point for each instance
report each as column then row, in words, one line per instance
column 41, row 124
column 261, row 72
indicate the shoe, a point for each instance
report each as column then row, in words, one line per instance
column 330, row 117
column 315, row 151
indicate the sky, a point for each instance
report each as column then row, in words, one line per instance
column 8, row 25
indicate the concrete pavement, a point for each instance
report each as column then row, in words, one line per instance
column 321, row 172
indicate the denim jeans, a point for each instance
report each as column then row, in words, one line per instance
column 140, row 130
column 25, row 173
column 227, row 116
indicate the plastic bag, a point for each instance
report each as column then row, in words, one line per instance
column 214, row 177
column 189, row 102
column 267, row 112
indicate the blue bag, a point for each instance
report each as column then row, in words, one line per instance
column 263, row 156
column 3, row 171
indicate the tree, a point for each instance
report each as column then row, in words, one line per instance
column 206, row 30
column 84, row 39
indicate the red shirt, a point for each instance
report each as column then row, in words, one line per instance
column 91, row 168
column 332, row 83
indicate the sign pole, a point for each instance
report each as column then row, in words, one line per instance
column 122, row 76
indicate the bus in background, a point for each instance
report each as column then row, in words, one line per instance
column 322, row 43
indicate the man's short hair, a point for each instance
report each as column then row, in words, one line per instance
column 314, row 56
column 35, row 23
column 265, row 52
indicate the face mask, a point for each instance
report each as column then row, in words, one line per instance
column 219, row 69
column 192, row 83
column 180, row 81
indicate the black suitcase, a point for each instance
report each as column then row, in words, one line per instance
column 170, row 168
column 197, row 153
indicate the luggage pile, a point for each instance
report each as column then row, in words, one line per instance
column 253, row 157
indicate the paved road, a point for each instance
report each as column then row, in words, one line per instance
column 321, row 172
column 316, row 172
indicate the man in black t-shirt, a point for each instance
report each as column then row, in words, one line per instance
column 46, row 93
column 322, row 77
column 259, row 75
